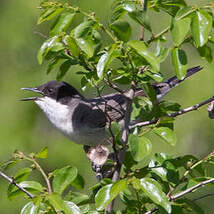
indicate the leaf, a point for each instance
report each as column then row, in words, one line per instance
column 72, row 45
column 154, row 191
column 201, row 27
column 179, row 30
column 63, row 178
column 140, row 147
column 206, row 52
column 77, row 197
column 107, row 193
column 45, row 48
column 62, row 23
column 78, row 182
column 142, row 50
column 167, row 134
column 86, row 46
column 53, row 64
column 43, row 153
column 63, row 69
column 67, row 207
column 161, row 52
column 121, row 29
column 84, row 29
column 184, row 12
column 31, row 186
column 179, row 61
column 105, row 60
column 30, row 208
column 49, row 14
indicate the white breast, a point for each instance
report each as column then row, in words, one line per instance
column 57, row 113
column 60, row 117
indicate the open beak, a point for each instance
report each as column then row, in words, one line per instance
column 31, row 89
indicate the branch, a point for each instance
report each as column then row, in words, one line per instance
column 181, row 194
column 187, row 191
column 175, row 114
column 11, row 180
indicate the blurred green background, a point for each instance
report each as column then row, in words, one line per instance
column 23, row 126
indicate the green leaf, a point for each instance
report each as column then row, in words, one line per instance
column 142, row 50
column 107, row 193
column 43, row 153
column 84, row 29
column 105, row 60
column 86, row 46
column 179, row 61
column 31, row 186
column 184, row 12
column 63, row 69
column 141, row 17
column 206, row 52
column 53, row 64
column 140, row 147
column 49, row 14
column 161, row 52
column 77, row 197
column 121, row 29
column 179, row 30
column 154, row 191
column 66, row 207
column 72, row 45
column 201, row 27
column 63, row 178
column 30, row 208
column 45, row 48
column 167, row 134
column 62, row 23
column 78, row 182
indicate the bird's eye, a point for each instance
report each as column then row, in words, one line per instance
column 50, row 90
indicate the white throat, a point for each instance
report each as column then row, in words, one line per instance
column 57, row 113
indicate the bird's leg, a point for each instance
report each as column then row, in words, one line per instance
column 98, row 156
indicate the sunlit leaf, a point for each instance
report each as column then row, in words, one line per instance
column 30, row 208
column 154, row 191
column 86, row 46
column 167, row 134
column 49, row 14
column 107, row 193
column 179, row 61
column 105, row 60
column 72, row 45
column 142, row 50
column 63, row 178
column 45, row 48
column 43, row 153
column 206, row 52
column 201, row 27
column 62, row 23
column 84, row 29
column 140, row 147
column 31, row 186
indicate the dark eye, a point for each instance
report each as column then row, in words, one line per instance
column 50, row 90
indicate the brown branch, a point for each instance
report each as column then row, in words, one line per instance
column 11, row 180
column 187, row 191
column 178, row 113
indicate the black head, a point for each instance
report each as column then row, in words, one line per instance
column 59, row 91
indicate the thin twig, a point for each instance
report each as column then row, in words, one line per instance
column 11, row 180
column 187, row 191
column 43, row 174
column 178, row 113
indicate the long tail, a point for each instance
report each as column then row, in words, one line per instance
column 164, row 87
column 174, row 81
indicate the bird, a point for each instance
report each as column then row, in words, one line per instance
column 82, row 119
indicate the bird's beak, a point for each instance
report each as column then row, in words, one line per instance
column 31, row 89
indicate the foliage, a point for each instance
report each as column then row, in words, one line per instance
column 147, row 181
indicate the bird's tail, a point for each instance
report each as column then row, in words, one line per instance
column 174, row 81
